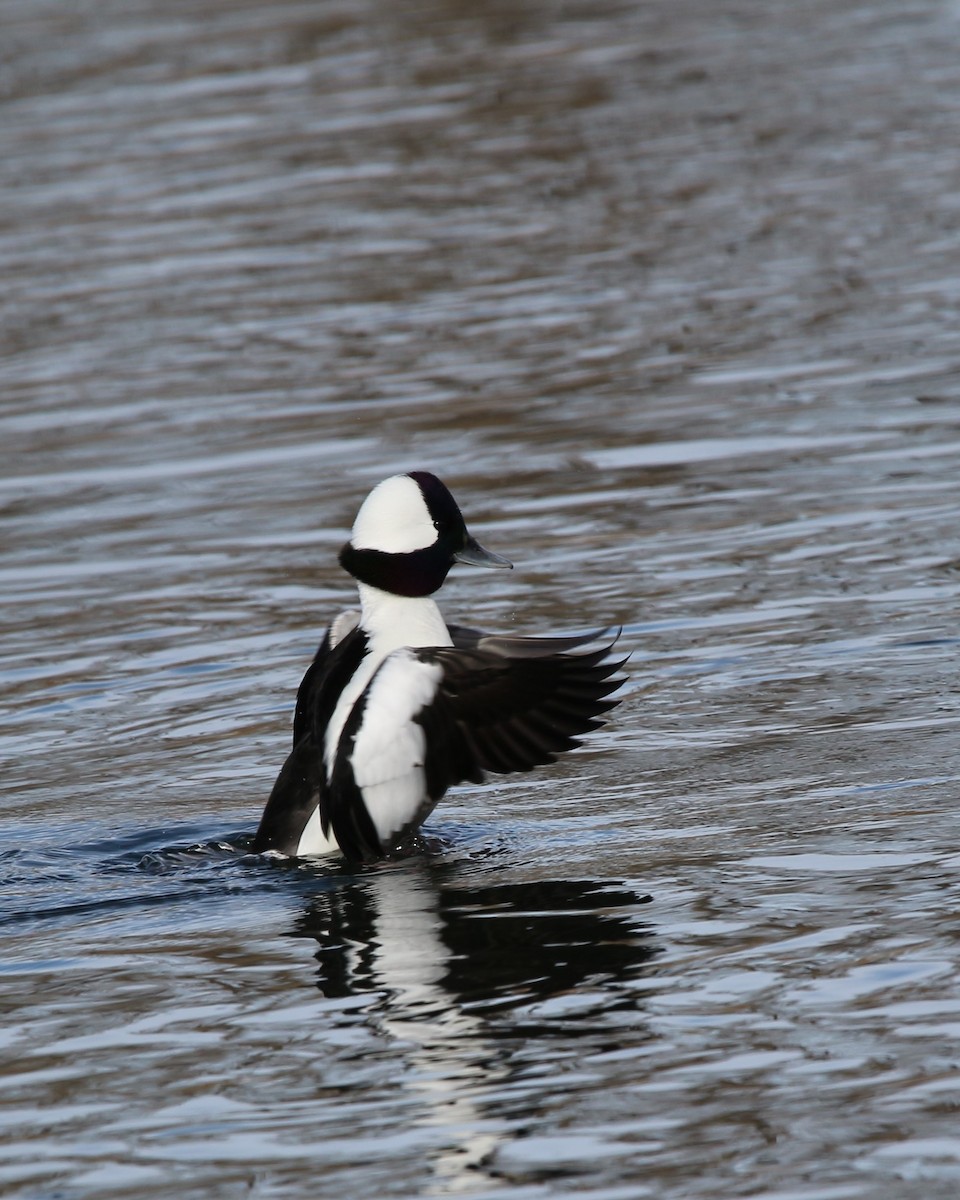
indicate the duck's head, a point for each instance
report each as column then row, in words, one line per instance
column 408, row 534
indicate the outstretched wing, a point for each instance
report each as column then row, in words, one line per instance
column 511, row 704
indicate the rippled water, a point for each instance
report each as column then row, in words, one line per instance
column 667, row 292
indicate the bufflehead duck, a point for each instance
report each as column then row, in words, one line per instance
column 397, row 705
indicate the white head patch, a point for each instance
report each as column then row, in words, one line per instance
column 394, row 518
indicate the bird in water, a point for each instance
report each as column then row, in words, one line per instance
column 397, row 705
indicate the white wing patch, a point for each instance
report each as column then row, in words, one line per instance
column 343, row 624
column 390, row 748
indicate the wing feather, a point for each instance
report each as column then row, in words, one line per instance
column 302, row 785
column 509, row 704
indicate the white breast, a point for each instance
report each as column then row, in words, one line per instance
column 391, row 623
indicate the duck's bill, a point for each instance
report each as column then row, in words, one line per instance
column 475, row 556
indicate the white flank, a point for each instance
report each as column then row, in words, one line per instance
column 389, row 749
column 394, row 518
column 313, row 840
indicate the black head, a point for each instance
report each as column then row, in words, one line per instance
column 408, row 534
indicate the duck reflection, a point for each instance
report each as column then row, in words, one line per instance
column 467, row 979
column 410, row 933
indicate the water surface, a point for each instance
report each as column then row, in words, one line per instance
column 667, row 293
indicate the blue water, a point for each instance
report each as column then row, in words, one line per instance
column 666, row 294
